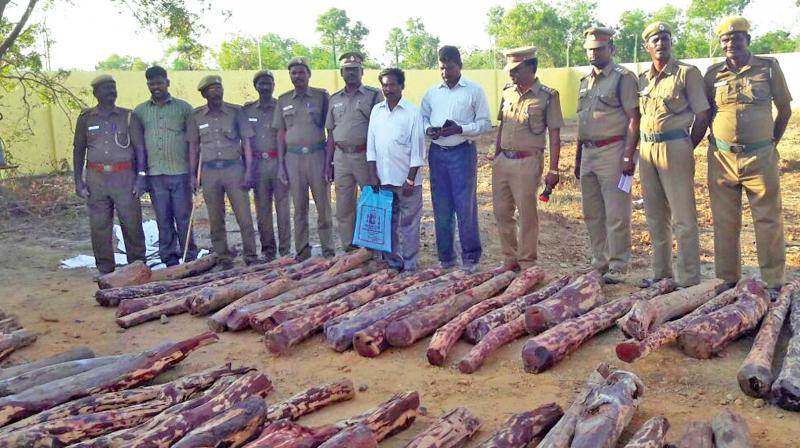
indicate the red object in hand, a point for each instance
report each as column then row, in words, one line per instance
column 545, row 196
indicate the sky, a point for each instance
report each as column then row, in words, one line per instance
column 87, row 31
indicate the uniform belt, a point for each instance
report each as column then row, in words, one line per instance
column 658, row 137
column 219, row 164
column 352, row 149
column 737, row 148
column 605, row 141
column 265, row 155
column 517, row 154
column 460, row 145
column 306, row 149
column 109, row 167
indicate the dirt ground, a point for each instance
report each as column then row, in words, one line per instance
column 59, row 304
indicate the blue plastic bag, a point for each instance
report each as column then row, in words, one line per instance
column 374, row 220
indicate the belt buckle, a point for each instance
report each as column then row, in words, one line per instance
column 107, row 168
column 304, row 150
column 737, row 149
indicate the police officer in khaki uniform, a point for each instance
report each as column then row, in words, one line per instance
column 346, row 147
column 527, row 109
column 300, row 121
column 268, row 187
column 743, row 154
column 116, row 170
column 219, row 138
column 608, row 132
column 672, row 97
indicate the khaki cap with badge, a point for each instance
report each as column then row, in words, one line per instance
column 351, row 59
column 597, row 37
column 102, row 79
column 207, row 81
column 732, row 24
column 516, row 56
column 261, row 73
column 655, row 28
column 299, row 60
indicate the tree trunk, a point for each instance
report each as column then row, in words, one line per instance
column 631, row 350
column 708, row 336
column 755, row 375
column 136, row 273
column 496, row 338
column 609, row 409
column 575, row 299
column 81, row 352
column 348, row 261
column 786, row 388
column 545, row 350
column 9, row 325
column 358, row 436
column 43, row 375
column 644, row 317
column 451, row 430
column 521, row 429
column 418, row 324
column 16, row 340
column 388, row 418
column 231, row 428
column 731, row 431
column 131, row 306
column 481, row 326
column 116, row 376
column 286, row 434
column 310, row 400
column 653, row 434
column 560, row 436
column 184, row 270
column 217, row 321
column 446, row 336
column 170, row 308
column 697, row 435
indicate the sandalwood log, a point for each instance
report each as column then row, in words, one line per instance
column 731, row 431
column 310, row 400
column 697, row 435
column 445, row 337
column 496, row 338
column 546, row 349
column 388, row 418
column 14, row 341
column 171, row 308
column 560, row 435
column 453, row 429
column 231, row 428
column 522, row 428
column 46, row 374
column 348, row 262
column 416, row 325
column 653, row 434
column 577, row 298
column 183, row 270
column 135, row 273
column 217, row 320
column 81, row 352
column 646, row 316
column 785, row 390
column 755, row 375
column 481, row 326
column 358, row 436
column 609, row 409
column 9, row 325
column 631, row 350
column 709, row 335
column 287, row 434
column 116, row 376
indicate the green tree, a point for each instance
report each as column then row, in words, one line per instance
column 238, row 53
column 773, row 42
column 422, row 47
column 138, row 65
column 187, row 54
column 475, row 59
column 701, row 20
column 628, row 40
column 115, row 62
column 395, row 44
column 338, row 34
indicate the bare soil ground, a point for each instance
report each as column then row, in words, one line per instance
column 42, row 223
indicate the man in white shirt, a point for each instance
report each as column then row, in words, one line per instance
column 452, row 112
column 395, row 153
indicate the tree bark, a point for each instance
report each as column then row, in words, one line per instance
column 653, row 434
column 609, row 409
column 310, row 400
column 358, row 436
column 388, row 418
column 731, row 431
column 81, row 352
column 170, row 308
column 231, row 428
column 453, row 429
column 697, row 435
column 14, row 341
column 631, row 350
column 348, row 261
column 9, row 325
column 786, row 388
column 522, row 428
column 545, row 350
column 644, row 317
column 446, row 336
column 136, row 273
column 575, row 299
column 481, row 326
column 708, row 336
column 43, row 375
column 217, row 321
column 496, row 338
column 184, row 270
column 287, row 434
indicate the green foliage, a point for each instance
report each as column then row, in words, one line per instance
column 701, row 19
column 395, row 44
column 339, row 35
column 628, row 38
column 238, row 53
column 187, row 54
column 482, row 59
column 118, row 62
column 421, row 50
column 774, row 42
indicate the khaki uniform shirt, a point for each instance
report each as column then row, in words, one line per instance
column 348, row 115
column 603, row 99
column 107, row 136
column 302, row 116
column 742, row 101
column 670, row 99
column 260, row 119
column 527, row 115
column 219, row 133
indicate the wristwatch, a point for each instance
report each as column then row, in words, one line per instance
column 553, row 172
column 626, row 159
column 141, row 173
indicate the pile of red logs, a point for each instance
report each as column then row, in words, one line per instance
column 12, row 336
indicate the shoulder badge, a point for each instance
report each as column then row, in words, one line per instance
column 549, row 90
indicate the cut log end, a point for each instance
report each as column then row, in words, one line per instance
column 278, row 343
column 628, row 351
column 755, row 380
column 536, row 359
column 436, row 357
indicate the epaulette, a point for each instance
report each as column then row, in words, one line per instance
column 85, row 111
column 337, row 92
column 249, row 103
column 231, row 105
column 549, row 90
column 199, row 108
column 285, row 94
column 715, row 66
column 317, row 89
column 622, row 70
column 771, row 60
column 374, row 89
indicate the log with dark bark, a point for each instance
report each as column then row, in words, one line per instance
column 11, row 342
column 416, row 325
column 785, row 390
column 731, row 431
column 755, row 375
column 453, row 429
column 608, row 411
column 577, row 298
column 287, row 434
column 217, row 320
column 131, row 306
column 231, row 428
column 445, row 337
column 481, row 326
column 171, row 308
column 358, row 436
column 116, row 376
column 697, row 435
column 348, row 261
column 81, row 352
column 646, row 316
column 46, row 374
column 310, row 400
column 184, row 270
column 388, row 418
column 560, row 436
column 522, row 428
column 9, row 324
column 136, row 273
column 545, row 350
column 631, row 350
column 496, row 338
column 653, row 434
column 707, row 336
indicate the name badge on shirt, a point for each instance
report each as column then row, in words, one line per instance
column 338, row 104
column 253, row 119
column 203, row 126
column 582, row 91
column 720, row 83
column 645, row 91
column 93, row 128
column 289, row 107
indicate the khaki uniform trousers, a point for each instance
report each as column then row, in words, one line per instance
column 606, row 208
column 756, row 173
column 109, row 192
column 514, row 187
column 350, row 171
column 268, row 189
column 306, row 172
column 666, row 170
column 217, row 183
